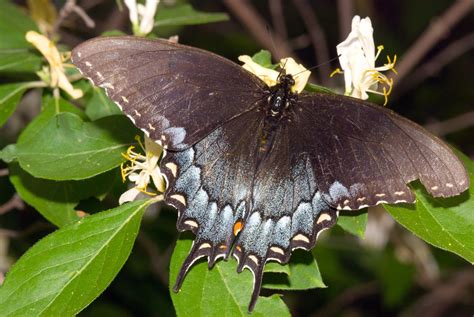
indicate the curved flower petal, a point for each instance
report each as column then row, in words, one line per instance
column 298, row 71
column 357, row 56
column 269, row 76
column 52, row 55
column 129, row 195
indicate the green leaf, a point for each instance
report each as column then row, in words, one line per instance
column 19, row 60
column 13, row 26
column 51, row 107
column 264, row 58
column 395, row 278
column 56, row 200
column 319, row 89
column 220, row 291
column 445, row 223
column 354, row 223
column 67, row 148
column 304, row 274
column 185, row 15
column 100, row 106
column 10, row 95
column 67, row 270
column 8, row 153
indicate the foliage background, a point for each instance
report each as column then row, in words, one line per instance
column 390, row 272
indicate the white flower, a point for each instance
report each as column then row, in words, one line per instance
column 142, row 16
column 270, row 76
column 142, row 169
column 357, row 57
column 57, row 77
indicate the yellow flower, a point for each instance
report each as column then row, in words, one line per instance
column 357, row 57
column 270, row 76
column 142, row 169
column 56, row 69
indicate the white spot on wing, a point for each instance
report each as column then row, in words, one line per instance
column 324, row 217
column 300, row 237
column 179, row 198
column 204, row 246
column 107, row 85
column 191, row 223
column 173, row 168
column 277, row 250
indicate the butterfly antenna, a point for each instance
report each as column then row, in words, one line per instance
column 317, row 66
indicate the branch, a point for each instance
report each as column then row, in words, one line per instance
column 318, row 38
column 278, row 19
column 346, row 298
column 158, row 262
column 433, row 66
column 14, row 203
column 432, row 35
column 455, row 124
column 257, row 26
column 345, row 9
column 444, row 295
column 69, row 7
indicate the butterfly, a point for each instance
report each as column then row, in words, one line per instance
column 257, row 171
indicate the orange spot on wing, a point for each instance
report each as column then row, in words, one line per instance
column 238, row 227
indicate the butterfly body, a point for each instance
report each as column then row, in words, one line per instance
column 257, row 171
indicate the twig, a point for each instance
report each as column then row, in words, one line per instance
column 432, row 35
column 257, row 26
column 301, row 41
column 433, row 66
column 346, row 298
column 278, row 19
column 34, row 228
column 69, row 7
column 14, row 203
column 455, row 124
column 3, row 172
column 317, row 37
column 345, row 9
column 444, row 295
column 158, row 261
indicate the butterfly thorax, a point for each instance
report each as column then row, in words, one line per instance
column 281, row 96
column 279, row 101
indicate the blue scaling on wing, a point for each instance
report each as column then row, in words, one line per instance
column 256, row 205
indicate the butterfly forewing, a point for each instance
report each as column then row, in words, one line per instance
column 175, row 93
column 365, row 154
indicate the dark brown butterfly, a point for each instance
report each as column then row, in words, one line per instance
column 258, row 171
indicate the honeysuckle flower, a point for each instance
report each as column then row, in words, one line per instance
column 142, row 169
column 270, row 76
column 56, row 76
column 357, row 57
column 142, row 16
